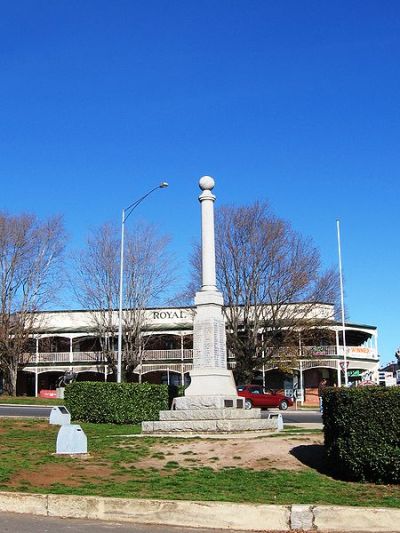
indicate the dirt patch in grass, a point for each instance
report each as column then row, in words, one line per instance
column 71, row 475
column 39, row 425
column 257, row 454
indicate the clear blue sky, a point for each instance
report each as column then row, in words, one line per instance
column 296, row 102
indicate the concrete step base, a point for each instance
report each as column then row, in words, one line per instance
column 211, row 414
column 210, row 426
column 207, row 401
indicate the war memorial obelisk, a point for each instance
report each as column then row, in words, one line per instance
column 211, row 403
column 212, row 384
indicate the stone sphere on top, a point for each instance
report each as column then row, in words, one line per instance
column 206, row 183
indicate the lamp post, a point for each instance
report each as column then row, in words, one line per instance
column 125, row 214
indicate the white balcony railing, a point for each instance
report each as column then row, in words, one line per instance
column 162, row 355
column 307, row 352
column 96, row 357
column 317, row 351
column 56, row 357
column 63, row 357
column 358, row 352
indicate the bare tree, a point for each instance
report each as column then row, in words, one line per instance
column 273, row 285
column 96, row 283
column 147, row 268
column 30, row 260
column 148, row 277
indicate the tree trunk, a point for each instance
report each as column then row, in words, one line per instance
column 243, row 373
column 10, row 380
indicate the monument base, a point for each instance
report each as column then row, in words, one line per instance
column 209, row 421
column 210, row 388
column 212, row 382
column 190, row 403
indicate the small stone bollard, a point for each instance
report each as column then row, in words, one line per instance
column 71, row 439
column 279, row 420
column 59, row 416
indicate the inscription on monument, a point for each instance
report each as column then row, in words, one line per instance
column 209, row 343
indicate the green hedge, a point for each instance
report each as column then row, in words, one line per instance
column 116, row 403
column 362, row 433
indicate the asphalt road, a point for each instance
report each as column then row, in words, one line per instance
column 289, row 417
column 301, row 417
column 23, row 411
column 15, row 523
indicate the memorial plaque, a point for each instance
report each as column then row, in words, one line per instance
column 209, row 343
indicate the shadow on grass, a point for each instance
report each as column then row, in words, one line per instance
column 314, row 456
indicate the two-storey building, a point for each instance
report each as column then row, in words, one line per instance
column 67, row 340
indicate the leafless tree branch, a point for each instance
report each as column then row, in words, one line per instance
column 273, row 283
column 30, row 257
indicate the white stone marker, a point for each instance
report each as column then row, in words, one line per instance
column 212, row 384
column 71, row 439
column 59, row 416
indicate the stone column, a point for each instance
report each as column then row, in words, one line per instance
column 212, row 384
column 209, row 343
column 207, row 199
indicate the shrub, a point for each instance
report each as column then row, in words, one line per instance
column 362, row 433
column 115, row 403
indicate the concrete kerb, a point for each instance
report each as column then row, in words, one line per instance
column 16, row 502
column 213, row 515
column 356, row 519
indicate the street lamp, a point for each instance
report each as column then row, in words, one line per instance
column 125, row 214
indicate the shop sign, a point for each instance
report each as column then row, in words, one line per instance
column 169, row 315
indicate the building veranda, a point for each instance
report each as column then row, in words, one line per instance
column 66, row 341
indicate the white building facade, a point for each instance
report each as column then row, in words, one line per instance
column 67, row 340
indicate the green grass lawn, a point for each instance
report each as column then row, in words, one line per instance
column 27, row 464
column 29, row 400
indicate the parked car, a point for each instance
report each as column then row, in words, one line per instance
column 256, row 396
